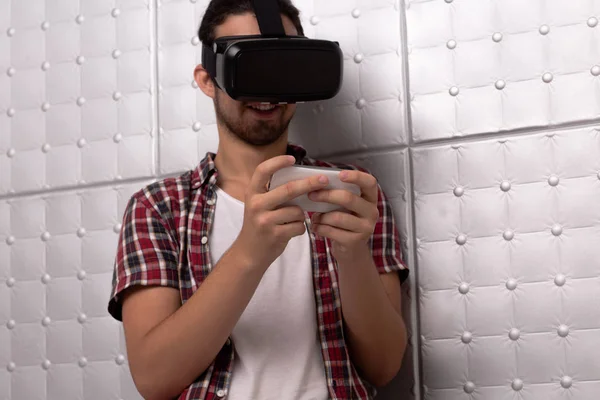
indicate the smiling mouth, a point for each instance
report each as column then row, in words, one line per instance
column 263, row 109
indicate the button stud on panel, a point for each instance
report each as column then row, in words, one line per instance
column 511, row 284
column 82, row 318
column 117, row 96
column 46, row 364
column 116, row 54
column 500, row 84
column 497, row 37
column 11, row 112
column 563, row 331
column 466, row 337
column 46, row 148
column 544, row 30
column 45, row 66
column 82, row 362
column 358, row 58
column 454, row 91
column 459, row 191
column 80, row 101
column 356, row 13
column 117, row 138
column 505, row 186
column 46, row 321
column 566, row 382
column 461, row 239
column 120, row 359
column 463, row 288
column 592, row 22
column 508, row 235
column 517, row 384
column 553, row 180
column 557, row 230
column 361, row 103
column 81, row 275
column 80, row 19
column 514, row 334
column 10, row 32
column 547, row 77
column 469, row 387
column 11, row 71
column 195, row 41
column 196, row 127
column 45, row 25
column 595, row 70
column 10, row 282
column 451, row 44
column 560, row 280
column 115, row 12
column 117, row 228
column 314, row 20
column 45, row 279
column 80, row 60
column 45, row 236
column 10, row 240
column 81, row 143
column 45, row 106
column 448, row 1
column 10, row 324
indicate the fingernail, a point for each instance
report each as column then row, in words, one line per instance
column 323, row 179
column 343, row 174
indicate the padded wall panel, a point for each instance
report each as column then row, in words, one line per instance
column 75, row 98
column 489, row 66
column 509, row 269
column 56, row 260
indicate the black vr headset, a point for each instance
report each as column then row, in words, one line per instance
column 273, row 67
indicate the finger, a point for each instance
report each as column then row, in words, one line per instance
column 342, row 220
column 293, row 189
column 338, row 235
column 366, row 182
column 345, row 199
column 287, row 215
column 291, row 230
column 264, row 171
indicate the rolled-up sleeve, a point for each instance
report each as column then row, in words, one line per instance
column 385, row 240
column 147, row 252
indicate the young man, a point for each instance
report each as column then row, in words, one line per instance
column 224, row 293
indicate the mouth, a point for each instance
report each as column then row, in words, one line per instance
column 264, row 110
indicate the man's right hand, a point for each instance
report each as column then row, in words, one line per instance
column 268, row 227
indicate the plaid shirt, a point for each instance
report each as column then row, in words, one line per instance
column 164, row 241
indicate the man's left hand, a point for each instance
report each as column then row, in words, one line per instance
column 349, row 230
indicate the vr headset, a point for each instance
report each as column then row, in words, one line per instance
column 273, row 67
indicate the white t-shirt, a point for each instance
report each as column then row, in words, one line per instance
column 277, row 348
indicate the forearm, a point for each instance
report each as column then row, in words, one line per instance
column 375, row 331
column 183, row 346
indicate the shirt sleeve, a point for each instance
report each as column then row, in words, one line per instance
column 147, row 252
column 385, row 240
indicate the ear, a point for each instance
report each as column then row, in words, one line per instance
column 204, row 81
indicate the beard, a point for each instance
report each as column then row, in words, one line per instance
column 253, row 132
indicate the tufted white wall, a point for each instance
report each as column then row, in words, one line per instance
column 481, row 118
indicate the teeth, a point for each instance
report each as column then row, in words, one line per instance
column 262, row 107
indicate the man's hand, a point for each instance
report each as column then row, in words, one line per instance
column 268, row 227
column 349, row 230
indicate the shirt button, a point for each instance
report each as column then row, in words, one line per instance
column 210, row 202
column 204, row 239
column 221, row 393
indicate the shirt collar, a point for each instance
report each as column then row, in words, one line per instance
column 205, row 172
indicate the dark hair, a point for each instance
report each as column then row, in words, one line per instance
column 218, row 11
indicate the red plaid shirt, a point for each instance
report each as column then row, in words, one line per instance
column 164, row 241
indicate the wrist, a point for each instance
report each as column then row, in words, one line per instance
column 353, row 254
column 244, row 259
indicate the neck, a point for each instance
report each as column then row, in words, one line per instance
column 236, row 160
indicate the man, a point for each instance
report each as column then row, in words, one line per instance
column 225, row 293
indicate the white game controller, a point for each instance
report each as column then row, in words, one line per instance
column 295, row 172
